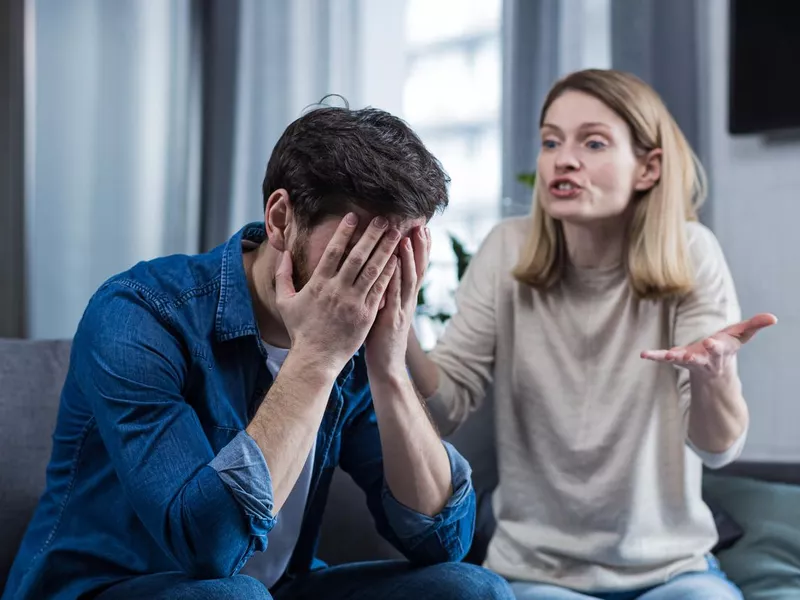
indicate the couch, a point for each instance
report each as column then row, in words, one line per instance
column 31, row 376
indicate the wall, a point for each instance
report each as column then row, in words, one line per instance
column 755, row 182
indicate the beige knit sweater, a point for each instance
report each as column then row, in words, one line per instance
column 599, row 487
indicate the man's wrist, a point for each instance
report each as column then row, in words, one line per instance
column 313, row 364
column 391, row 376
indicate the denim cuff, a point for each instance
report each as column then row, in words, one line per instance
column 242, row 468
column 408, row 524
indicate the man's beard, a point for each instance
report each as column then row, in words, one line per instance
column 300, row 270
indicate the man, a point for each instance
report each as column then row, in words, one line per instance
column 210, row 397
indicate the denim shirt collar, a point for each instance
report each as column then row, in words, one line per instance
column 235, row 316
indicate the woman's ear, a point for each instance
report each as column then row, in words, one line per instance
column 277, row 216
column 649, row 171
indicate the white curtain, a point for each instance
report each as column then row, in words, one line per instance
column 150, row 123
column 112, row 120
column 289, row 55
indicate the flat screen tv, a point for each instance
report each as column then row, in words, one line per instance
column 764, row 86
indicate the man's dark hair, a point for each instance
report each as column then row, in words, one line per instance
column 332, row 158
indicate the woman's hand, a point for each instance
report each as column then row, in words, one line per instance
column 713, row 356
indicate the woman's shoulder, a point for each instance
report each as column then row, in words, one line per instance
column 703, row 244
column 697, row 233
column 507, row 236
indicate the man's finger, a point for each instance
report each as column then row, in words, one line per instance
column 393, row 293
column 332, row 257
column 379, row 292
column 284, row 286
column 362, row 251
column 421, row 251
column 408, row 272
column 375, row 264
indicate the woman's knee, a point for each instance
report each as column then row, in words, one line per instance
column 696, row 587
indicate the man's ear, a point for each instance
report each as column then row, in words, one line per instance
column 649, row 171
column 277, row 217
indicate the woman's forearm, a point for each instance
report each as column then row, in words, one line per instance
column 718, row 415
column 424, row 372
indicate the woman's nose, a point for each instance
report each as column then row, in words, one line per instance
column 566, row 160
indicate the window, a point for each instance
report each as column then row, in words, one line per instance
column 451, row 98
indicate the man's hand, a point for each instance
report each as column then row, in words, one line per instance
column 330, row 317
column 388, row 338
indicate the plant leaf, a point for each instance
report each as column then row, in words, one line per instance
column 462, row 256
column 528, row 179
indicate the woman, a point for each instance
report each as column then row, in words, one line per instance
column 600, row 439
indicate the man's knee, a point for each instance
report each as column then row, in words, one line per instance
column 177, row 586
column 464, row 581
column 243, row 586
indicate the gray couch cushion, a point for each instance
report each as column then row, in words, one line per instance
column 31, row 376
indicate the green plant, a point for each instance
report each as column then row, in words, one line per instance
column 527, row 178
column 462, row 262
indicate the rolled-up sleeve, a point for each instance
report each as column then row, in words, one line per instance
column 242, row 467
column 422, row 539
column 199, row 507
column 411, row 526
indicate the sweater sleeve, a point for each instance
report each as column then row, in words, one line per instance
column 711, row 306
column 465, row 353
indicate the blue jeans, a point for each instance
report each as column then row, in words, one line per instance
column 701, row 585
column 389, row 580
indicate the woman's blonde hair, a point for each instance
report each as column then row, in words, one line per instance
column 657, row 258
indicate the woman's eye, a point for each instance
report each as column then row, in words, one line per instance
column 550, row 144
column 595, row 144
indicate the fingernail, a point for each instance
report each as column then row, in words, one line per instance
column 393, row 235
column 380, row 222
column 422, row 234
column 427, row 233
column 351, row 219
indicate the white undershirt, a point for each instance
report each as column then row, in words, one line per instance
column 269, row 566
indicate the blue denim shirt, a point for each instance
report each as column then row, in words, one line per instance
column 151, row 468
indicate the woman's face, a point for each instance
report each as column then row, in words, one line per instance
column 587, row 167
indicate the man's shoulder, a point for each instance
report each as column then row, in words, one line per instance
column 176, row 294
column 166, row 282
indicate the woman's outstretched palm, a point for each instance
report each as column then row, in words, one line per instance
column 713, row 354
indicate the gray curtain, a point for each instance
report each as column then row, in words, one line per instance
column 530, row 67
column 265, row 60
column 12, row 176
column 114, row 120
column 542, row 41
column 658, row 41
column 148, row 126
